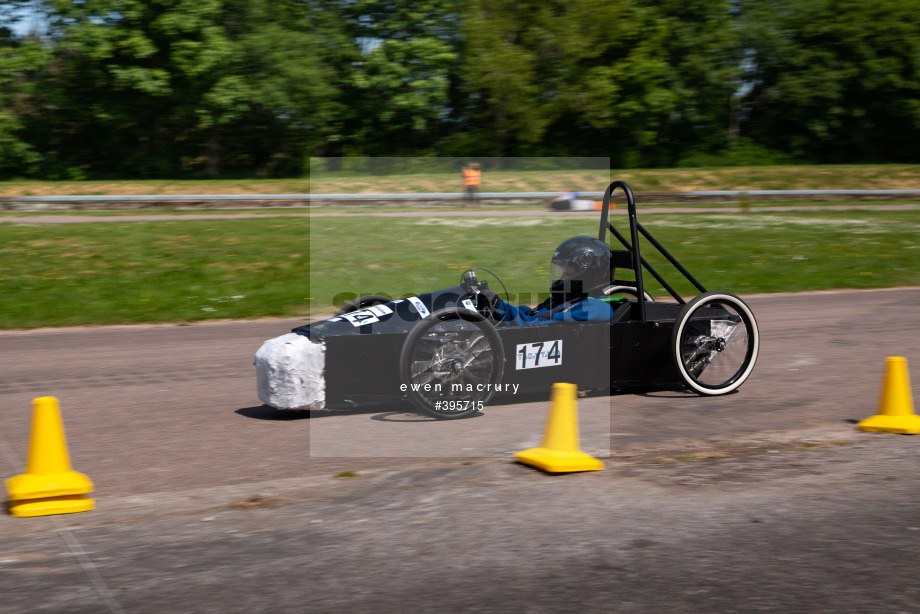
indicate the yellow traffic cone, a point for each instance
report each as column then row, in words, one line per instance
column 895, row 407
column 560, row 452
column 48, row 486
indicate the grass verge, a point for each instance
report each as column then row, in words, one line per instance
column 187, row 271
column 862, row 176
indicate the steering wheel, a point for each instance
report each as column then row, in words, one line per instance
column 473, row 287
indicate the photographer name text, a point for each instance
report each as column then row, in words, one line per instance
column 512, row 388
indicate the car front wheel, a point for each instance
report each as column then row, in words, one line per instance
column 451, row 363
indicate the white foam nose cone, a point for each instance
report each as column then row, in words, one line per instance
column 289, row 372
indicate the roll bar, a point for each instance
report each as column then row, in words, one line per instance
column 632, row 246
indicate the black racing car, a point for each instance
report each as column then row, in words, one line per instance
column 446, row 354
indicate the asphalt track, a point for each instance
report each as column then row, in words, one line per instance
column 763, row 500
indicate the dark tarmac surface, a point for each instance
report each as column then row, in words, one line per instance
column 764, row 500
column 825, row 520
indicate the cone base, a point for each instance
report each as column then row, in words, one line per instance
column 67, row 504
column 907, row 425
column 554, row 461
column 33, row 486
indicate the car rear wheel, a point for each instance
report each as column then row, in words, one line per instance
column 451, row 363
column 714, row 343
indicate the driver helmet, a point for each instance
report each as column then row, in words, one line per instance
column 579, row 265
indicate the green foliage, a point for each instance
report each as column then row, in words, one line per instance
column 835, row 80
column 20, row 61
column 632, row 80
column 182, row 87
column 188, row 88
column 394, row 86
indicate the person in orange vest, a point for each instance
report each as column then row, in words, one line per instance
column 472, row 177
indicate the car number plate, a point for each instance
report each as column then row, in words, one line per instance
column 539, row 354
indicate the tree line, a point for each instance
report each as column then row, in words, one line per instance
column 224, row 88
